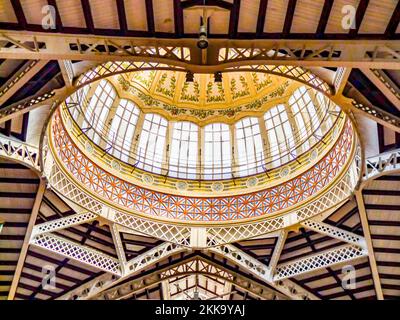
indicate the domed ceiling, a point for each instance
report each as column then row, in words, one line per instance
column 203, row 98
column 112, row 139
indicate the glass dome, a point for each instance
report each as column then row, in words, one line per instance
column 169, row 137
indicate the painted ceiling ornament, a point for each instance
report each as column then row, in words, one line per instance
column 284, row 172
column 115, row 165
column 313, row 154
column 89, row 147
column 203, row 98
column 148, row 179
column 181, row 185
column 252, row 182
column 217, row 187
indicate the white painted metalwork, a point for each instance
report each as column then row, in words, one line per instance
column 63, row 223
column 345, row 53
column 324, row 259
column 262, row 271
column 334, row 232
column 77, row 252
column 195, row 265
column 19, row 151
column 135, row 265
column 381, row 164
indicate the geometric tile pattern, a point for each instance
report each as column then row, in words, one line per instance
column 158, row 204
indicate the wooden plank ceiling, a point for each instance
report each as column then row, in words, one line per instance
column 313, row 19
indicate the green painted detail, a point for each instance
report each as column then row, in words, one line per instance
column 202, row 114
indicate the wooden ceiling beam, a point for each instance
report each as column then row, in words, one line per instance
column 289, row 18
column 24, row 250
column 214, row 3
column 234, row 19
column 122, row 16
column 59, row 25
column 361, row 9
column 329, row 269
column 393, row 22
column 19, row 13
column 362, row 209
column 178, row 18
column 323, row 20
column 87, row 12
column 150, row 16
column 261, row 17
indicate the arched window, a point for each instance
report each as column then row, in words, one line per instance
column 122, row 129
column 97, row 111
column 330, row 110
column 280, row 135
column 183, row 154
column 250, row 153
column 306, row 116
column 152, row 142
column 217, row 151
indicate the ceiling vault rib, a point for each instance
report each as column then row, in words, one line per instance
column 24, row 250
column 367, row 235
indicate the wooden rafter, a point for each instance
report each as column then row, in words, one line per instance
column 24, row 250
column 368, row 239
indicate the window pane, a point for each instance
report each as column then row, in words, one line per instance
column 217, row 151
column 152, row 143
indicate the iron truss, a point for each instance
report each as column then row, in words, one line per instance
column 117, row 271
column 379, row 54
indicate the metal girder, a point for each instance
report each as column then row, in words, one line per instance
column 381, row 54
column 21, row 77
column 260, row 270
column 28, row 104
column 277, row 250
column 381, row 164
column 67, row 71
column 135, row 265
column 384, row 84
column 317, row 261
column 75, row 251
column 63, row 223
column 24, row 250
column 334, row 232
column 370, row 247
column 377, row 114
column 341, row 76
column 194, row 265
column 119, row 248
column 20, row 152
